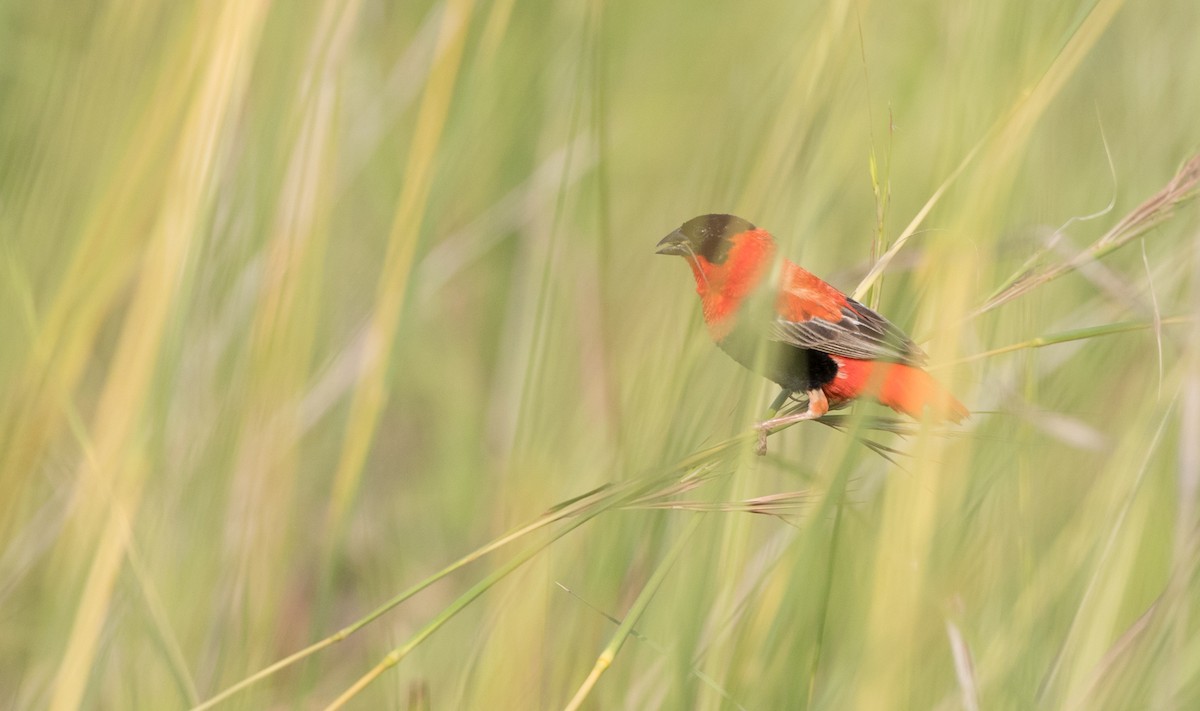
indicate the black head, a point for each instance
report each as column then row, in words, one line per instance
column 708, row 236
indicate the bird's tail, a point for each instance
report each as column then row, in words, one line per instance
column 914, row 392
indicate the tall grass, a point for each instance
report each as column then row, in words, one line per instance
column 337, row 368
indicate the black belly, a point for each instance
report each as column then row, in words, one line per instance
column 796, row 369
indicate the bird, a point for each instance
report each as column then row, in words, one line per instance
column 799, row 331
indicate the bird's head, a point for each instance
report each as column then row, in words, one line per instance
column 707, row 237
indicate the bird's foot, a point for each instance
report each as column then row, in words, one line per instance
column 765, row 427
column 818, row 405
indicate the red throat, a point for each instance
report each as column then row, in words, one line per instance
column 723, row 287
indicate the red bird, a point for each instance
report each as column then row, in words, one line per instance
column 808, row 337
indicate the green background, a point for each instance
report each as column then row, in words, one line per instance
column 302, row 302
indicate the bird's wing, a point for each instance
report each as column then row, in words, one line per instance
column 812, row 314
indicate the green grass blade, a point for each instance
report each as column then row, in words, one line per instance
column 605, row 660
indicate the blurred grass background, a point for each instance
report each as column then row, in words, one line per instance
column 302, row 302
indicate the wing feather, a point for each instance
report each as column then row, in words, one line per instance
column 812, row 314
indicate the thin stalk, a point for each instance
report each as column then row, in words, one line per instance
column 1079, row 334
column 1184, row 186
column 370, row 395
column 1023, row 113
column 571, row 508
column 605, row 660
column 826, row 594
column 880, row 266
column 399, row 653
column 589, row 505
column 695, row 669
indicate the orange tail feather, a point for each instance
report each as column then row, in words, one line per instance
column 903, row 388
column 913, row 391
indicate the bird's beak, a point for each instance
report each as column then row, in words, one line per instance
column 674, row 243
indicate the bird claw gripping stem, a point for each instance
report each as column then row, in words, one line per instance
column 818, row 405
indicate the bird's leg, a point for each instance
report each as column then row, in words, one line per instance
column 818, row 405
column 777, row 403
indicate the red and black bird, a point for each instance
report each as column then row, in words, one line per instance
column 807, row 336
